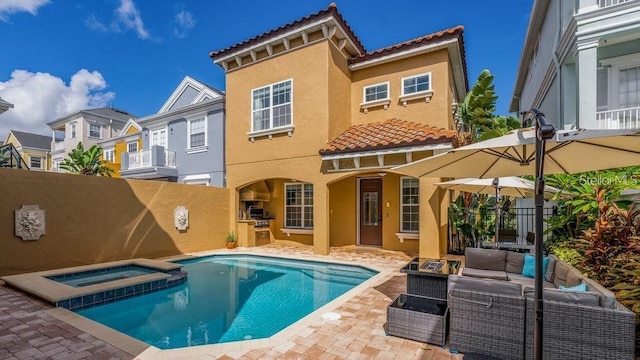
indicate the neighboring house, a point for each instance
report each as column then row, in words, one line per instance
column 580, row 64
column 315, row 123
column 86, row 126
column 129, row 139
column 184, row 141
column 34, row 149
column 4, row 105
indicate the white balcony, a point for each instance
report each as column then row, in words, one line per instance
column 619, row 119
column 153, row 163
column 607, row 3
column 58, row 146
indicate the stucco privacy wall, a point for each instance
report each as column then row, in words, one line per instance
column 94, row 219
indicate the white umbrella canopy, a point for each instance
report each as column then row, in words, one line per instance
column 507, row 185
column 570, row 152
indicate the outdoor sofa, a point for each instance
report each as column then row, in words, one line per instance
column 491, row 307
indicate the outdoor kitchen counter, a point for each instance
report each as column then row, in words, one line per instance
column 247, row 233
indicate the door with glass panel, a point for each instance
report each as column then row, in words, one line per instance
column 370, row 218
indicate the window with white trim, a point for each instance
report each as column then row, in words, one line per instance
column 197, row 136
column 159, row 138
column 271, row 106
column 74, row 127
column 409, row 205
column 629, row 87
column 298, row 209
column 416, row 84
column 109, row 155
column 35, row 162
column 376, row 92
column 132, row 147
column 95, row 131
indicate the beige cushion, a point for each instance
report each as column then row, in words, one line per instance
column 586, row 298
column 550, row 268
column 487, row 274
column 560, row 273
column 526, row 281
column 515, row 262
column 484, row 285
column 574, row 277
column 485, row 259
column 607, row 297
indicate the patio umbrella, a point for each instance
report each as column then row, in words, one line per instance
column 507, row 185
column 535, row 151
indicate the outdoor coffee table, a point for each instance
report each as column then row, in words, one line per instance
column 418, row 318
column 428, row 277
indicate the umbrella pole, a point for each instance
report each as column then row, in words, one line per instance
column 497, row 211
column 544, row 131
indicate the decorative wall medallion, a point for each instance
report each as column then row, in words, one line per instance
column 181, row 218
column 30, row 224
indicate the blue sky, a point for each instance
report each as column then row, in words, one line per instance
column 62, row 56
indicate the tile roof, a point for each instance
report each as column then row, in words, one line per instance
column 331, row 10
column 389, row 134
column 32, row 140
column 456, row 31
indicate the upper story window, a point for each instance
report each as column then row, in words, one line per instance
column 376, row 92
column 74, row 128
column 272, row 106
column 197, row 136
column 35, row 162
column 95, row 131
column 409, row 205
column 416, row 87
column 109, row 155
column 375, row 95
column 159, row 138
column 298, row 209
column 132, row 147
column 416, row 84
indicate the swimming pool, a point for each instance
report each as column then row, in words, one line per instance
column 230, row 298
column 100, row 276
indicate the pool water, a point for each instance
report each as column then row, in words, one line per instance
column 230, row 298
column 101, row 276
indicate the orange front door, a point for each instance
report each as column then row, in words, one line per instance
column 370, row 212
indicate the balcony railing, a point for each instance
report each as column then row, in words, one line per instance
column 144, row 159
column 619, row 119
column 58, row 146
column 607, row 3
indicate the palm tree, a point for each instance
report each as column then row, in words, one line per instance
column 86, row 162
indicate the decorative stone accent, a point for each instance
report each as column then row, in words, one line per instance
column 181, row 218
column 30, row 222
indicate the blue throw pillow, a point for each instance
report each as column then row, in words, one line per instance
column 581, row 287
column 529, row 267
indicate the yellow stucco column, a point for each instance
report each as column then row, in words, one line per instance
column 430, row 207
column 320, row 218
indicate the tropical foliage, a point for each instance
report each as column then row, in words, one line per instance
column 86, row 162
column 476, row 112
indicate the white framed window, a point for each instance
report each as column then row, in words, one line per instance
column 73, row 131
column 109, row 155
column 272, row 106
column 375, row 92
column 416, row 84
column 158, row 137
column 197, row 133
column 95, row 131
column 409, row 205
column 132, row 147
column 298, row 208
column 629, row 87
column 35, row 162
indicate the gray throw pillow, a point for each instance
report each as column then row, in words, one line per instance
column 515, row 261
column 485, row 259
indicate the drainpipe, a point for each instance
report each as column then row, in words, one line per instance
column 556, row 63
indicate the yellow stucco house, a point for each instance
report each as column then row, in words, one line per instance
column 129, row 139
column 34, row 149
column 315, row 123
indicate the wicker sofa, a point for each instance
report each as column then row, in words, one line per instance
column 491, row 308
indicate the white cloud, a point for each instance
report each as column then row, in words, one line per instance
column 94, row 24
column 39, row 98
column 128, row 15
column 184, row 22
column 8, row 7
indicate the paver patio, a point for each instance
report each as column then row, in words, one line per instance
column 27, row 331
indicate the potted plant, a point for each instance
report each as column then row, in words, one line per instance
column 232, row 240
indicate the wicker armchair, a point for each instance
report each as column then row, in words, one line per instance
column 573, row 331
column 488, row 322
